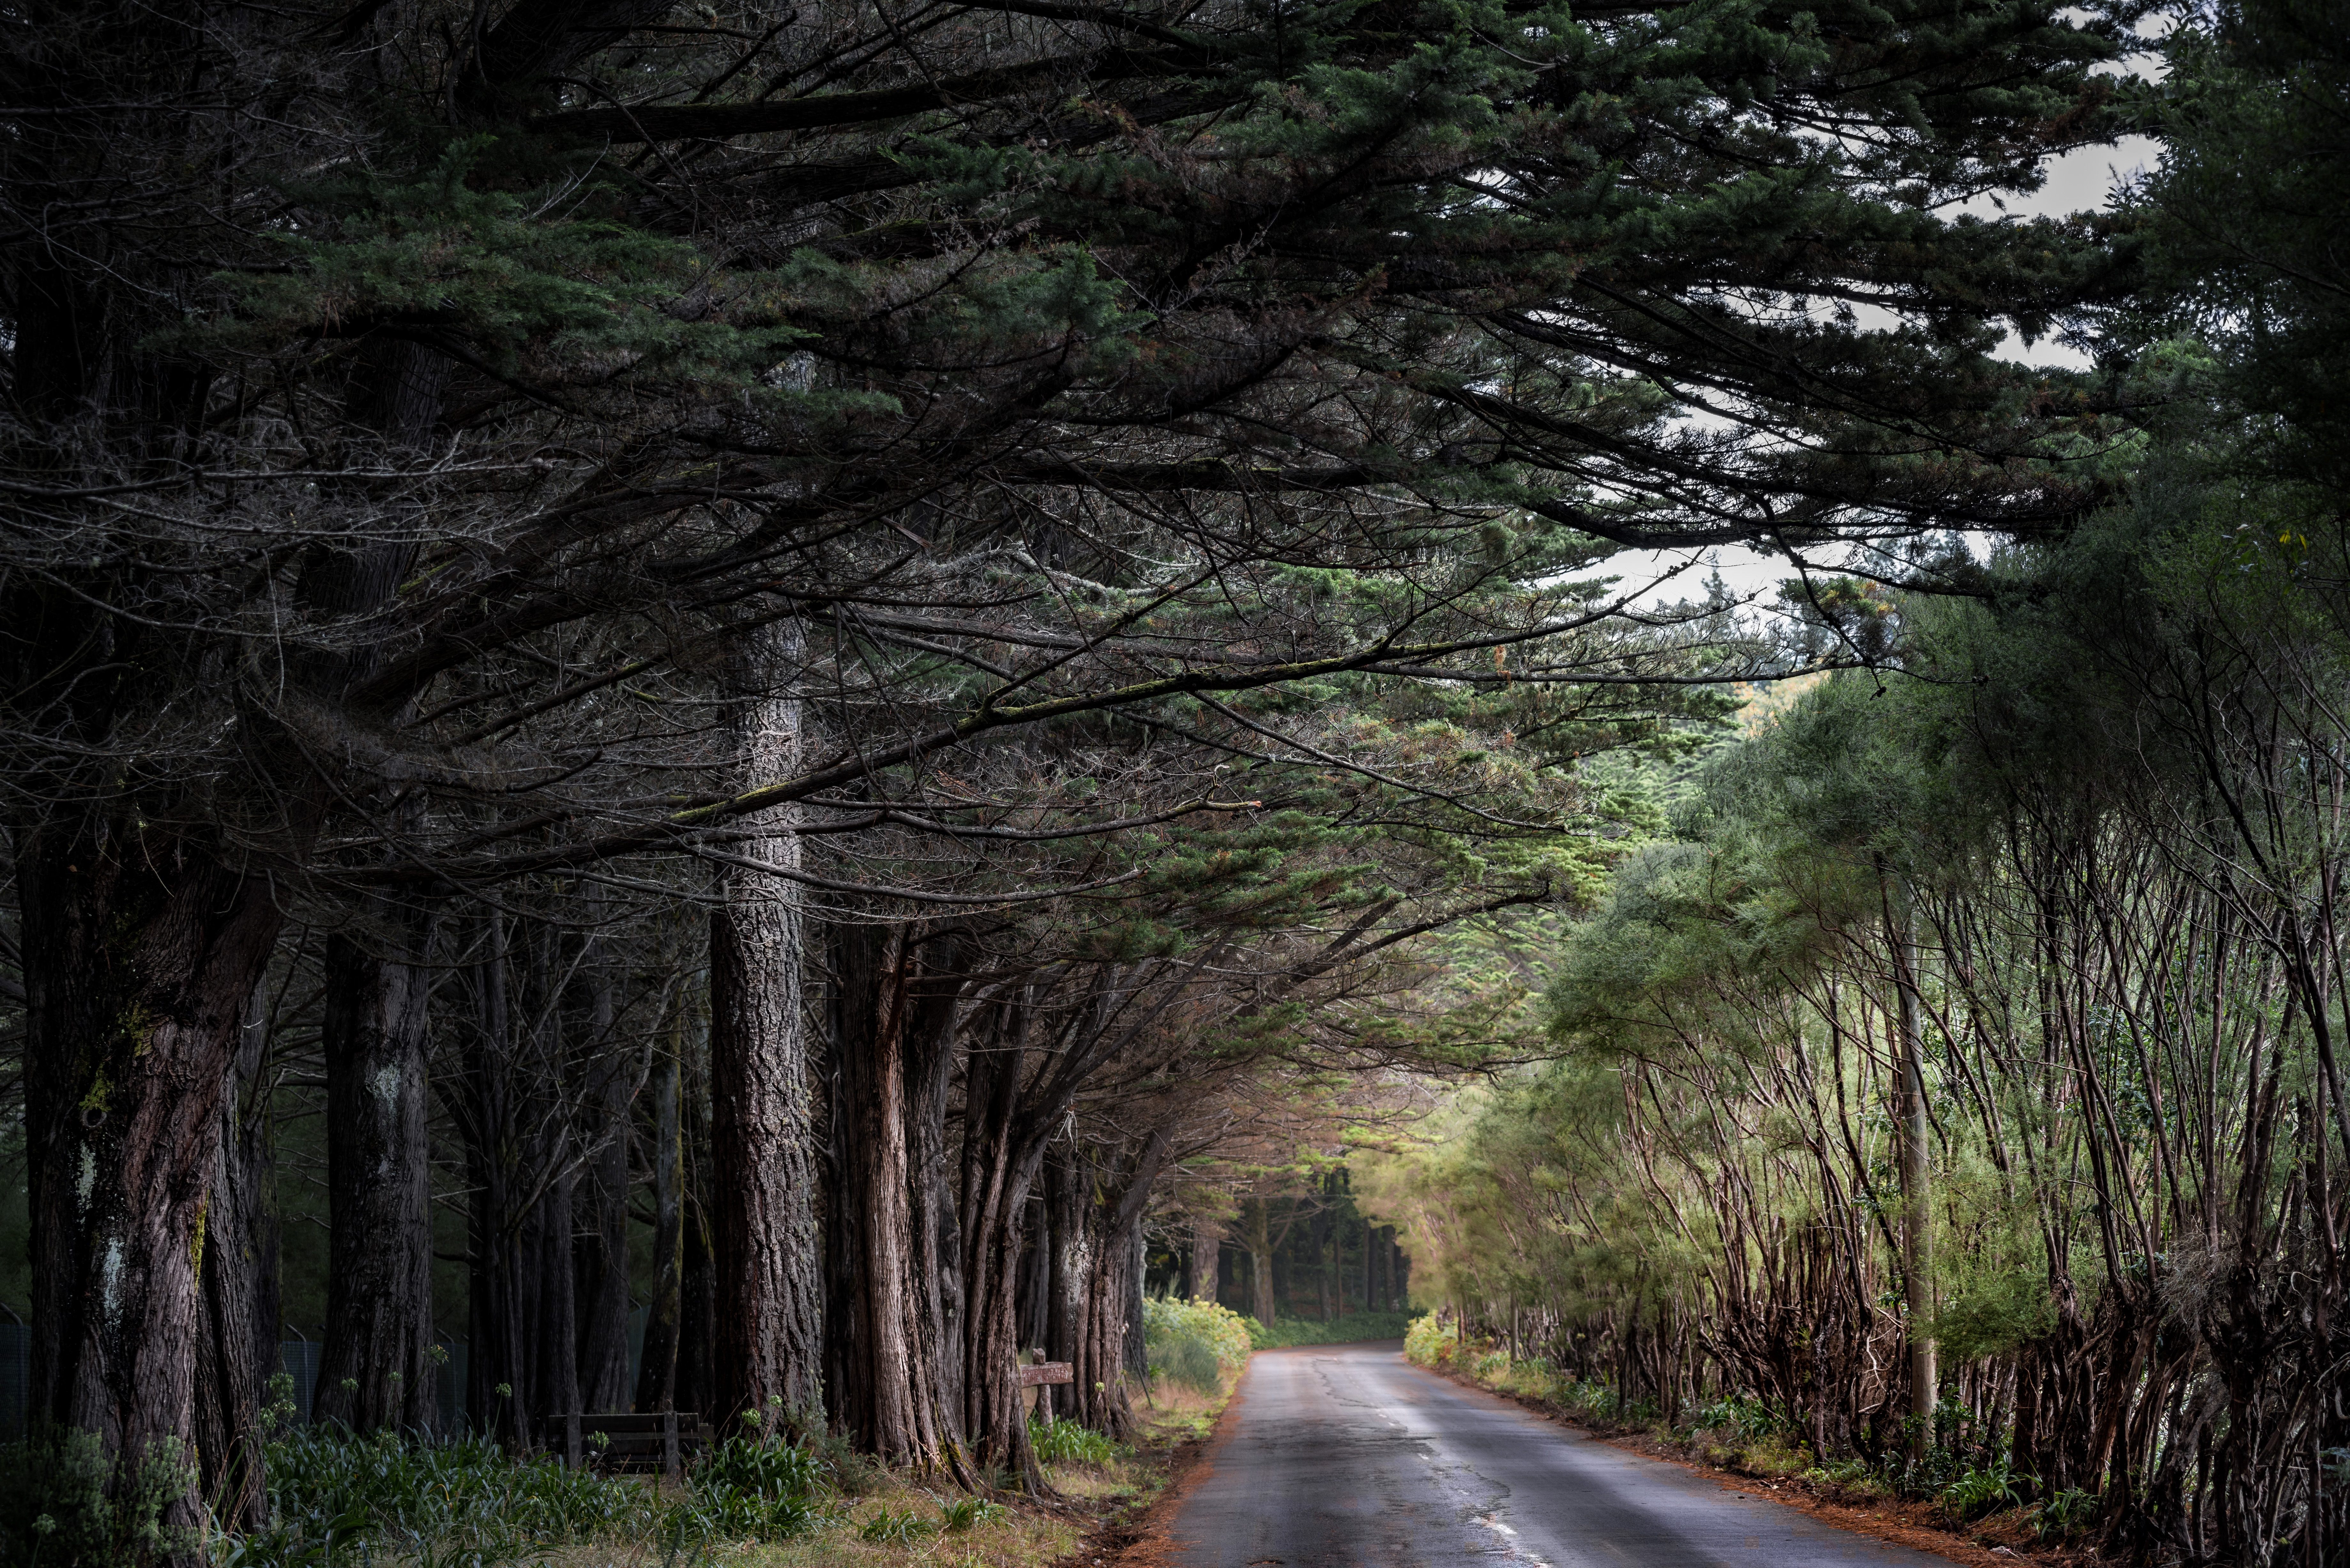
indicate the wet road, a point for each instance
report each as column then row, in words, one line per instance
column 1348, row 1457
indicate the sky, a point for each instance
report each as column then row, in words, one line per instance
column 2081, row 181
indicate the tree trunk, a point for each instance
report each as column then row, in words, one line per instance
column 938, row 1229
column 1207, row 1244
column 554, row 1308
column 239, row 1286
column 697, row 1317
column 1001, row 1154
column 1319, row 1233
column 376, row 1368
column 1070, row 1267
column 665, row 1164
column 769, row 1287
column 1109, row 1219
column 1256, row 1221
column 892, row 1026
column 141, row 956
column 601, row 1253
column 495, row 1113
column 1917, row 1197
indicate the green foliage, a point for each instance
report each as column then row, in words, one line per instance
column 1060, row 1441
column 65, row 1503
column 2066, row 1514
column 1430, row 1343
column 1744, row 1416
column 897, row 1527
column 548, row 285
column 969, row 1513
column 761, row 1467
column 1195, row 1343
column 2240, row 240
column 467, row 1503
column 1348, row 1328
column 1995, row 1314
column 465, row 1490
column 1982, row 1490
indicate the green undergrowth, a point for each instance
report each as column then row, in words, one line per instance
column 1196, row 1343
column 1969, row 1482
column 1351, row 1328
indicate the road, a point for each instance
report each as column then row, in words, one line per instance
column 1349, row 1456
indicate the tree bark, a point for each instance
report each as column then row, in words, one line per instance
column 239, row 1291
column 1256, row 1234
column 1207, row 1250
column 139, row 958
column 487, row 1109
column 665, row 1164
column 1001, row 1154
column 1068, row 1272
column 1916, row 1167
column 896, row 1018
column 1111, row 1217
column 601, row 1252
column 697, row 1327
column 767, row 1268
column 375, row 1369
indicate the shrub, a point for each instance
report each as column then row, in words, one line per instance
column 761, row 1467
column 466, row 1491
column 1183, row 1337
column 55, row 1511
column 1190, row 1362
column 1429, row 1343
column 1746, row 1415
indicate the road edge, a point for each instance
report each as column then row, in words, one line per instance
column 1915, row 1533
column 1143, row 1539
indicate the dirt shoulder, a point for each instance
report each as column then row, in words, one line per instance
column 1132, row 1530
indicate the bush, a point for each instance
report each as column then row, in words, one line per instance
column 1428, row 1342
column 897, row 1529
column 969, row 1513
column 1190, row 1362
column 760, row 1467
column 55, row 1511
column 1193, row 1341
column 1745, row 1415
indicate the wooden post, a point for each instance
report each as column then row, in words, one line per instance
column 670, row 1466
column 571, row 1438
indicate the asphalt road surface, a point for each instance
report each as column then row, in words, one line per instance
column 1349, row 1456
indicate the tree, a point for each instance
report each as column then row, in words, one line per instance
column 373, row 517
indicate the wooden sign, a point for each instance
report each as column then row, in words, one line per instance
column 1047, row 1372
